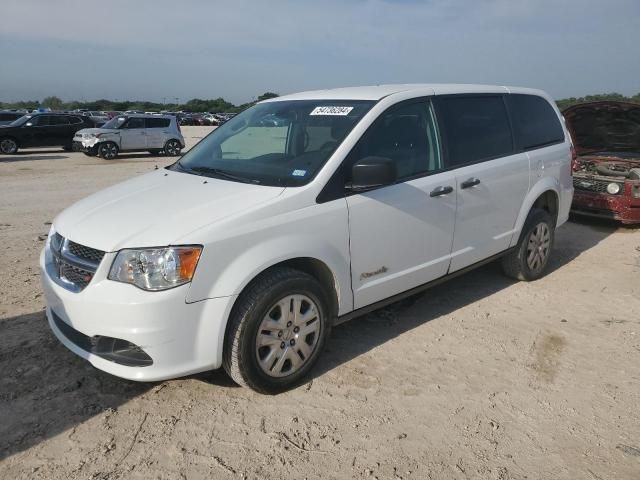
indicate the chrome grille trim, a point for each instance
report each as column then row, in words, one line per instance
column 84, row 252
column 73, row 265
column 595, row 185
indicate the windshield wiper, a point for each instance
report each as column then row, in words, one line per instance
column 216, row 172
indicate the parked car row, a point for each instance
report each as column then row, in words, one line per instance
column 157, row 134
column 104, row 134
column 203, row 119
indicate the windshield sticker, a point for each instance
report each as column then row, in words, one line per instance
column 299, row 173
column 340, row 111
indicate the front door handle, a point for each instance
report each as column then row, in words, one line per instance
column 441, row 191
column 472, row 182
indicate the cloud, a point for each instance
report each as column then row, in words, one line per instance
column 239, row 49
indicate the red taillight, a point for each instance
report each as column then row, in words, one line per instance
column 574, row 160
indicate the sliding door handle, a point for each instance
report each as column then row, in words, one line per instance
column 472, row 182
column 438, row 191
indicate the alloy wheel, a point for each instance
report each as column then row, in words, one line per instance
column 108, row 151
column 538, row 247
column 173, row 148
column 8, row 146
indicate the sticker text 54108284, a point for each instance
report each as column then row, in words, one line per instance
column 329, row 110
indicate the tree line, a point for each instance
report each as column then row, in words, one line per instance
column 219, row 105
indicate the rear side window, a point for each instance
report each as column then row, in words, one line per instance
column 476, row 128
column 158, row 122
column 59, row 120
column 41, row 120
column 135, row 122
column 535, row 122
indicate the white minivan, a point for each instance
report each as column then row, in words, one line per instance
column 300, row 213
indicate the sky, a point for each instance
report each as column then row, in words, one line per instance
column 160, row 50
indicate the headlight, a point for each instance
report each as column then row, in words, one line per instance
column 156, row 268
column 613, row 188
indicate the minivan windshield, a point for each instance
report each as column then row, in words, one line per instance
column 115, row 122
column 279, row 143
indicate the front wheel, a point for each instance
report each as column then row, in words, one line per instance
column 529, row 259
column 172, row 148
column 108, row 150
column 277, row 330
column 8, row 146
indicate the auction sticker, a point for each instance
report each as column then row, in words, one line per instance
column 340, row 111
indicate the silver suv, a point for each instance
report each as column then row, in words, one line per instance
column 131, row 133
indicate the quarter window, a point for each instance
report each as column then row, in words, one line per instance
column 135, row 122
column 158, row 122
column 476, row 128
column 535, row 122
column 407, row 135
column 41, row 121
column 59, row 120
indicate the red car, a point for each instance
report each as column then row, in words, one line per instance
column 606, row 172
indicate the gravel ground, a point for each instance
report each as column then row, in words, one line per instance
column 478, row 378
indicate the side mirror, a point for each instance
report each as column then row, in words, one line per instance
column 372, row 172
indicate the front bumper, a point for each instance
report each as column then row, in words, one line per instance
column 623, row 208
column 81, row 144
column 180, row 338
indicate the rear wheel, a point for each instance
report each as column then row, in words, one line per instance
column 172, row 148
column 108, row 150
column 529, row 259
column 8, row 146
column 277, row 330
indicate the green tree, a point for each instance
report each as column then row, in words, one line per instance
column 267, row 96
column 54, row 103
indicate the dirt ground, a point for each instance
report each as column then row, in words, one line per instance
column 479, row 378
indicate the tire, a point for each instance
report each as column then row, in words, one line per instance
column 108, row 150
column 8, row 146
column 172, row 148
column 529, row 259
column 265, row 347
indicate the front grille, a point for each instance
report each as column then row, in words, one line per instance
column 85, row 252
column 74, row 265
column 593, row 185
column 75, row 275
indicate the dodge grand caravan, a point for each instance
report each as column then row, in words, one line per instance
column 300, row 213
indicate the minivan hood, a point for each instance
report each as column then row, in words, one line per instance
column 604, row 127
column 156, row 209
